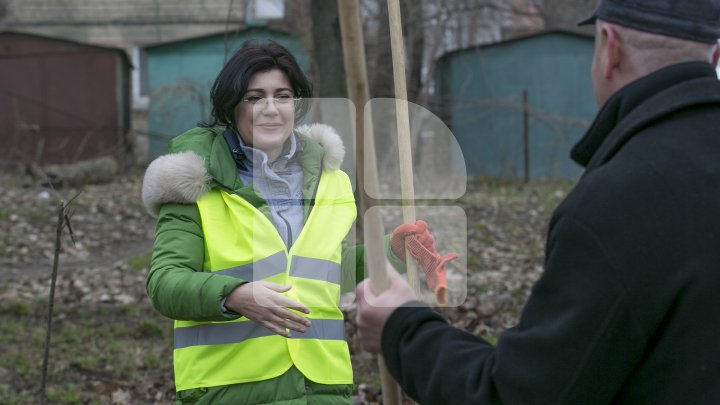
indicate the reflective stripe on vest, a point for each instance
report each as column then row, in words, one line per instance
column 302, row 267
column 261, row 269
column 241, row 242
column 236, row 332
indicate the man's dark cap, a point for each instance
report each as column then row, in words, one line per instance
column 694, row 20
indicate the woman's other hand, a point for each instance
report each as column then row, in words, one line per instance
column 263, row 303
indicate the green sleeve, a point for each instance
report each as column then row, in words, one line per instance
column 353, row 263
column 177, row 285
column 396, row 262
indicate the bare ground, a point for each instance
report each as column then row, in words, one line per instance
column 110, row 346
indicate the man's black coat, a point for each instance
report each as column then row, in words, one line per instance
column 627, row 310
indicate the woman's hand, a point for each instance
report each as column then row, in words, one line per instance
column 262, row 302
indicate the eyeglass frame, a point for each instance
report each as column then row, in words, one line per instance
column 263, row 101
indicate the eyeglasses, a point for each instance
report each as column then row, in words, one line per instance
column 282, row 99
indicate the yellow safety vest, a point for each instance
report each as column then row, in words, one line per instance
column 241, row 241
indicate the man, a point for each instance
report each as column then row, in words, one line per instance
column 627, row 310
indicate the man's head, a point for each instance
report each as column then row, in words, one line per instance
column 636, row 37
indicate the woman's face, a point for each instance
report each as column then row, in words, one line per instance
column 268, row 123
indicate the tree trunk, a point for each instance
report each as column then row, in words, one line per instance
column 330, row 79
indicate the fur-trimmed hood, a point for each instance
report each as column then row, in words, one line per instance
column 183, row 177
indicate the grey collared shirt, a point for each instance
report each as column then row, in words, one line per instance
column 279, row 182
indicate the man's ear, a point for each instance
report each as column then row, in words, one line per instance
column 613, row 50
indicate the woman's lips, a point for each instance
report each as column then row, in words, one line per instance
column 270, row 126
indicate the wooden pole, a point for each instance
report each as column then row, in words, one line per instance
column 403, row 131
column 358, row 92
column 356, row 77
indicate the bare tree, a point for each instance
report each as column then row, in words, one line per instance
column 430, row 29
column 564, row 14
column 328, row 67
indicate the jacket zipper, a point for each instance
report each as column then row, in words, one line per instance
column 289, row 230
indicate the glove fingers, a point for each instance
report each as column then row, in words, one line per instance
column 441, row 288
column 405, row 229
column 427, row 240
column 399, row 239
column 449, row 257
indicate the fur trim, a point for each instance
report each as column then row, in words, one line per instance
column 183, row 178
column 328, row 138
column 174, row 178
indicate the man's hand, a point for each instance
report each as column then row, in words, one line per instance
column 263, row 302
column 374, row 310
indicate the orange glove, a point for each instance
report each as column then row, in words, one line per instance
column 399, row 235
column 421, row 245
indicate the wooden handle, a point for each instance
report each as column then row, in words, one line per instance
column 357, row 84
column 403, row 132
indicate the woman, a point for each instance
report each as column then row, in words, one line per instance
column 249, row 248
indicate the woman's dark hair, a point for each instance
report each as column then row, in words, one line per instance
column 253, row 57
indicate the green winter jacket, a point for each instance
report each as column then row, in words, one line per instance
column 198, row 161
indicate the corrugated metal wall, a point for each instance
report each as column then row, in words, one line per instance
column 480, row 95
column 60, row 102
